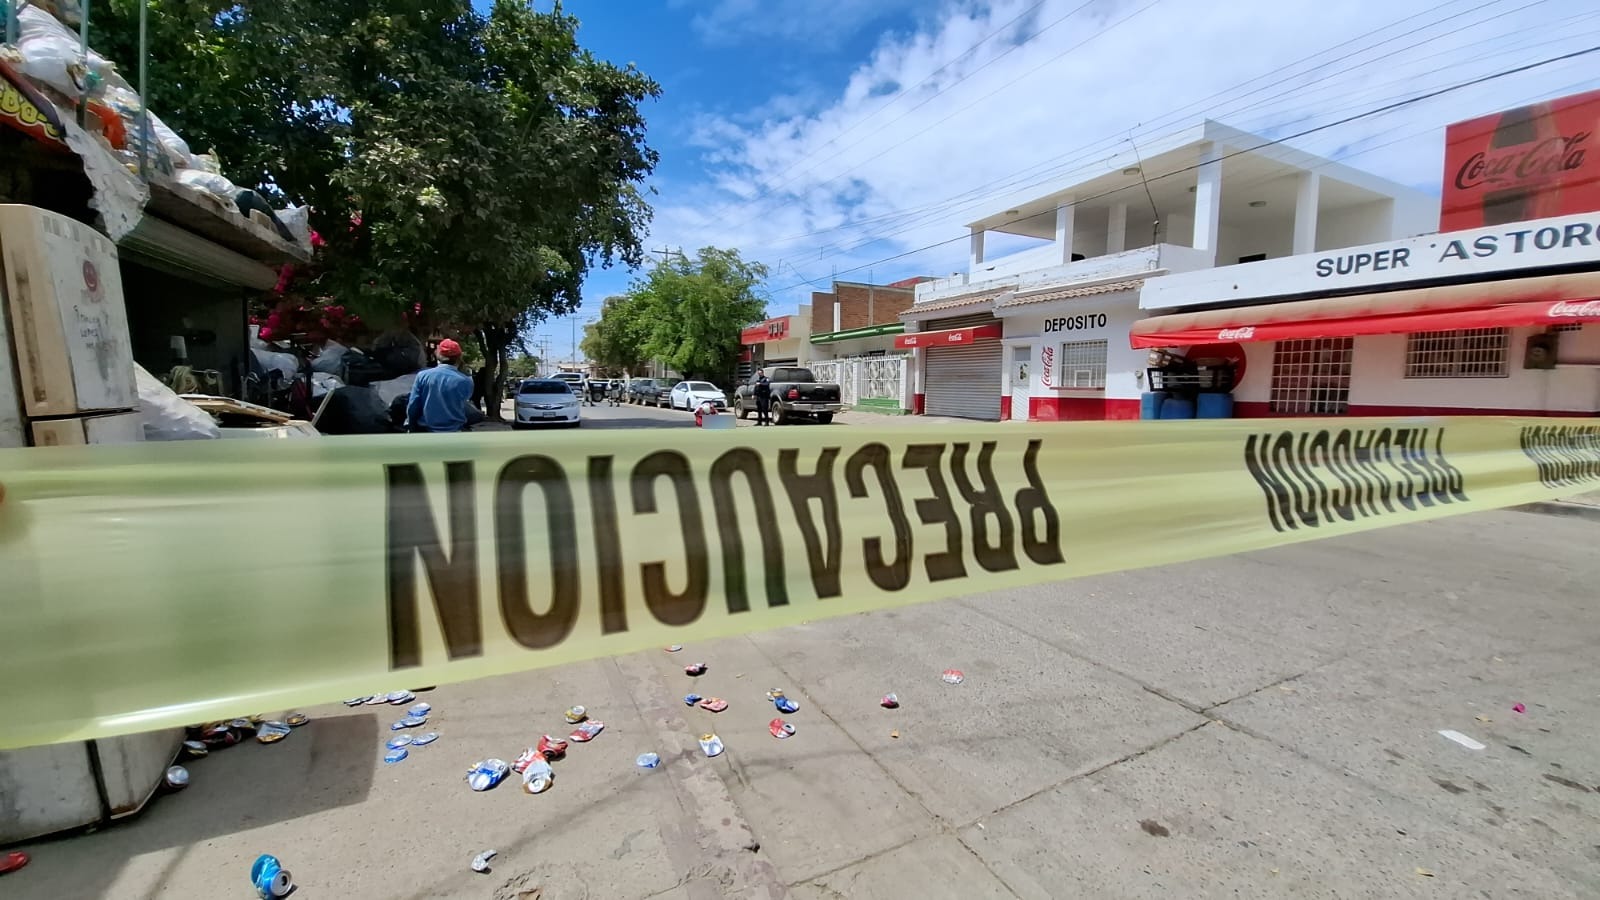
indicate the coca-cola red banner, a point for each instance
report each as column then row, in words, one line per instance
column 1532, row 162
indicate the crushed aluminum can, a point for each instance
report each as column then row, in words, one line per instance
column 270, row 878
column 775, row 693
column 243, row 725
column 421, row 709
column 377, row 699
column 889, row 701
column 423, row 740
column 409, row 722
column 691, row 699
column 398, row 741
column 480, row 863
column 648, row 760
column 399, row 698
column 194, row 749
column 177, row 778
column 695, row 669
column 710, row 744
column 576, row 714
column 586, row 731
column 272, row 732
column 714, row 704
column 525, row 759
column 537, row 777
column 552, row 748
column 357, row 701
column 674, row 648
column 786, row 706
column 780, row 729
column 220, row 736
column 953, row 676
column 395, row 755
column 487, row 773
column 295, row 720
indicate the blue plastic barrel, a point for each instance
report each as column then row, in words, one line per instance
column 1214, row 406
column 1177, row 408
column 1150, row 404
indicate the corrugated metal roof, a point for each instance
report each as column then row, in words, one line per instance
column 1067, row 293
column 955, row 302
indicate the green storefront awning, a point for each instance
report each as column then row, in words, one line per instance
column 854, row 333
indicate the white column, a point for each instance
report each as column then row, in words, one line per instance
column 1065, row 214
column 1117, row 229
column 1306, row 195
column 1208, row 200
column 975, row 257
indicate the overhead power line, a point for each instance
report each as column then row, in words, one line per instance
column 1042, row 172
column 1380, row 110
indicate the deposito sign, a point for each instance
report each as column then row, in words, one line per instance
column 155, row 585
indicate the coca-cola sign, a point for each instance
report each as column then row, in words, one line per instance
column 1572, row 309
column 1526, row 164
column 1532, row 162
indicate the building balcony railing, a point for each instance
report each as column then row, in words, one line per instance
column 1033, row 268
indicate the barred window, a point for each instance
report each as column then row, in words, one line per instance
column 1463, row 353
column 1311, row 376
column 1082, row 365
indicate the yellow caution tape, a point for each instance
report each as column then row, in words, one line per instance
column 154, row 585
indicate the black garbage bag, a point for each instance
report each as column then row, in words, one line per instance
column 357, row 410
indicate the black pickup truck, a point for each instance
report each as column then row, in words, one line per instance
column 795, row 395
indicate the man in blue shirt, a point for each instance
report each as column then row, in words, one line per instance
column 440, row 395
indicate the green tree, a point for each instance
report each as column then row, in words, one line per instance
column 692, row 310
column 477, row 164
column 522, row 365
column 617, row 339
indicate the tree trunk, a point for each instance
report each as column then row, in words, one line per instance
column 495, row 341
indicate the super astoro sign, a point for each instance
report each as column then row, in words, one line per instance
column 1537, row 244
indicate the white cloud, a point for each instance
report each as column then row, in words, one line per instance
column 892, row 161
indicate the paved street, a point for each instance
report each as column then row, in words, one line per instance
column 1257, row 726
column 606, row 416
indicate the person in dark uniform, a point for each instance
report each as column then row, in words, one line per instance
column 763, row 394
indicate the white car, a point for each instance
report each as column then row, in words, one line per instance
column 546, row 401
column 688, row 395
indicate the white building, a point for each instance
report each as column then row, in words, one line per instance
column 1043, row 333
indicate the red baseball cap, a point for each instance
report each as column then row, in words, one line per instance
column 448, row 348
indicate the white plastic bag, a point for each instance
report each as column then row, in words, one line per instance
column 394, row 387
column 330, row 359
column 298, row 220
column 201, row 180
column 322, row 383
column 48, row 49
column 269, row 361
column 168, row 417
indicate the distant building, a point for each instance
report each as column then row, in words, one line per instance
column 1043, row 333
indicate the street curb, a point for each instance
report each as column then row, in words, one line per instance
column 1561, row 508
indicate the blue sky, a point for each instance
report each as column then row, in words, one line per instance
column 822, row 135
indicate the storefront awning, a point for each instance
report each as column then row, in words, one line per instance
column 1546, row 300
column 952, row 337
column 869, row 331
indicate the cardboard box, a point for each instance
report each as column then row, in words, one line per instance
column 69, row 327
column 119, row 428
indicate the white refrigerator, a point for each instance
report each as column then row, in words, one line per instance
column 66, row 377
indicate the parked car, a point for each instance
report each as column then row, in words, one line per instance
column 641, row 390
column 662, row 395
column 688, row 395
column 796, row 394
column 546, row 401
column 573, row 380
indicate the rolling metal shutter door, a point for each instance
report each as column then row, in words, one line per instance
column 963, row 381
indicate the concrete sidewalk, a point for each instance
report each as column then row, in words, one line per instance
column 1264, row 725
column 1582, row 506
